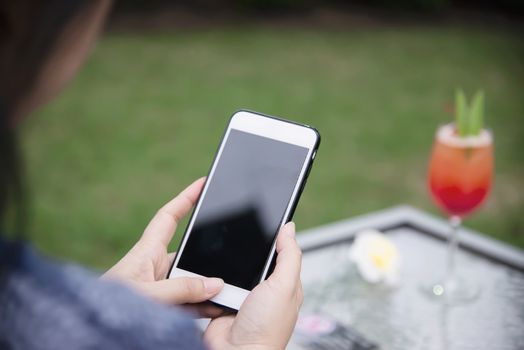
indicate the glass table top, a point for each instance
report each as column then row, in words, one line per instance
column 403, row 317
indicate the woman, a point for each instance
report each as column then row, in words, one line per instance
column 47, row 305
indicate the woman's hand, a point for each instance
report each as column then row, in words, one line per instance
column 268, row 315
column 145, row 266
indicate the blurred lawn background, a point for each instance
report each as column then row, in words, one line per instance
column 144, row 116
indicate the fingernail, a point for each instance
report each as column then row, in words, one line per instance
column 213, row 285
column 291, row 228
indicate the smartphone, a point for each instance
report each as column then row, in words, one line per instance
column 252, row 189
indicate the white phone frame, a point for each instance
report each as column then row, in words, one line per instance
column 301, row 135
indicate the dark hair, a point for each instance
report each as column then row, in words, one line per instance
column 29, row 30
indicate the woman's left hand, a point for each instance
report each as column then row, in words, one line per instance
column 145, row 266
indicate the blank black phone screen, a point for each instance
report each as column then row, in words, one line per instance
column 242, row 209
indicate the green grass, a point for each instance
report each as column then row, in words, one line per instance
column 144, row 116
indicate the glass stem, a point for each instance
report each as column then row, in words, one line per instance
column 454, row 223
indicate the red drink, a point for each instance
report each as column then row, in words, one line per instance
column 459, row 177
column 460, row 170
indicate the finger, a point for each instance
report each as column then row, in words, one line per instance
column 218, row 327
column 171, row 257
column 300, row 295
column 163, row 225
column 289, row 257
column 182, row 290
column 164, row 266
column 205, row 310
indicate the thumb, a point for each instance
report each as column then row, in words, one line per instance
column 289, row 258
column 182, row 290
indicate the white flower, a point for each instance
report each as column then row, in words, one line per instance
column 376, row 257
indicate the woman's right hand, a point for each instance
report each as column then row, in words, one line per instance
column 267, row 317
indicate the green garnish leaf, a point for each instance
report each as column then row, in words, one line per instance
column 476, row 113
column 461, row 113
column 469, row 119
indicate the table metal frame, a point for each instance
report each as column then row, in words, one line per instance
column 407, row 216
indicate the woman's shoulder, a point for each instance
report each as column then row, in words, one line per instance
column 49, row 305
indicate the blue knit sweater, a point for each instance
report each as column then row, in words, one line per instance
column 47, row 305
